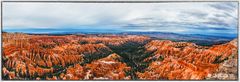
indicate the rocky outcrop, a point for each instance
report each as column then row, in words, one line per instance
column 114, row 57
column 109, row 68
column 184, row 61
column 228, row 69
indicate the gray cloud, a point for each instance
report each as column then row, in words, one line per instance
column 226, row 6
column 171, row 17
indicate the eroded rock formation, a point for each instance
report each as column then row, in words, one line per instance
column 114, row 57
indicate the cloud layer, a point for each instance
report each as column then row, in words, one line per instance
column 189, row 17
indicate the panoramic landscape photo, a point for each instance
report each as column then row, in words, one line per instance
column 120, row 41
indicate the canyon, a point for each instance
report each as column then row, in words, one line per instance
column 114, row 57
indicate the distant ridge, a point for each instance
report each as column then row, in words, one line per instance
column 199, row 39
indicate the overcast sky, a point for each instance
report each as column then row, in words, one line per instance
column 189, row 17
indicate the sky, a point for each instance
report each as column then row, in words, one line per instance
column 182, row 17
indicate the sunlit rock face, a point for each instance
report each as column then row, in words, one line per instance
column 175, row 60
column 227, row 69
column 114, row 57
column 108, row 68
